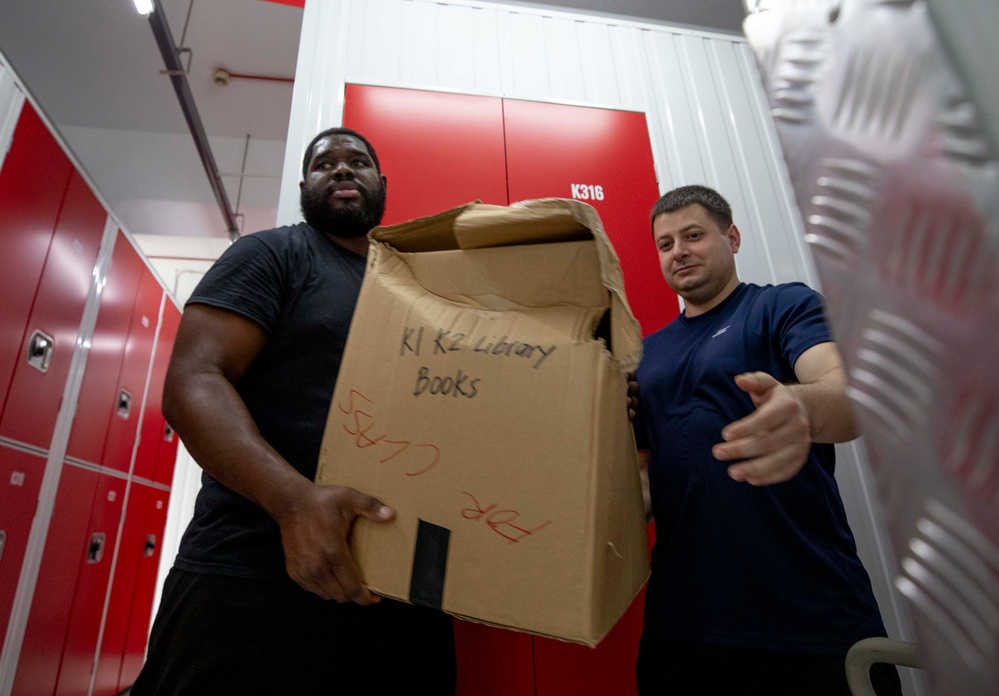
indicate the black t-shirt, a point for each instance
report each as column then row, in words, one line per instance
column 301, row 288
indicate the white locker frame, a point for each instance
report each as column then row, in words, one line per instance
column 707, row 117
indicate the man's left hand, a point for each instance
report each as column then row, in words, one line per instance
column 774, row 440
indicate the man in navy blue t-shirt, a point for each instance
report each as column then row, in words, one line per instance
column 756, row 586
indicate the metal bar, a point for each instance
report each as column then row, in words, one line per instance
column 168, row 49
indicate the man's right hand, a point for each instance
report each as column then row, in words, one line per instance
column 315, row 532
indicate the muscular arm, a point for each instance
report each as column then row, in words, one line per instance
column 214, row 348
column 774, row 440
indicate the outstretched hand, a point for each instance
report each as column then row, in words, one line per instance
column 315, row 534
column 774, row 440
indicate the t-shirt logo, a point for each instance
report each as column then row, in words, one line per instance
column 719, row 332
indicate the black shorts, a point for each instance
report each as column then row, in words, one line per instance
column 216, row 634
column 681, row 668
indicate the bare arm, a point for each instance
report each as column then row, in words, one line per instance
column 214, row 348
column 774, row 440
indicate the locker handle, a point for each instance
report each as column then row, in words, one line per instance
column 168, row 433
column 40, row 349
column 3, row 541
column 124, row 404
column 95, row 549
column 150, row 547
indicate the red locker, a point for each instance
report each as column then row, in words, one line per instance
column 602, row 157
column 162, row 434
column 91, row 586
column 66, row 551
column 35, row 394
column 141, row 607
column 98, row 392
column 20, row 479
column 131, row 388
column 33, row 182
column 438, row 150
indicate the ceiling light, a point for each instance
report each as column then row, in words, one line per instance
column 144, row 7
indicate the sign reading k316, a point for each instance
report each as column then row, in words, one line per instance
column 587, row 192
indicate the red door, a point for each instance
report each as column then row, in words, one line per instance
column 437, row 150
column 32, row 185
column 160, row 431
column 131, row 387
column 35, row 394
column 98, row 395
column 90, row 594
column 150, row 537
column 601, row 156
column 66, row 550
column 20, row 479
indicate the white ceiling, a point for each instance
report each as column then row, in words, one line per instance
column 94, row 68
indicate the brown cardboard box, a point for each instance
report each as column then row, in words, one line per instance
column 474, row 399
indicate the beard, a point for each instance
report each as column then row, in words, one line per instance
column 348, row 221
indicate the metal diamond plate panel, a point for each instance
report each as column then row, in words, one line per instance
column 898, row 187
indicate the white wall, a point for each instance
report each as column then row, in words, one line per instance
column 707, row 116
column 11, row 101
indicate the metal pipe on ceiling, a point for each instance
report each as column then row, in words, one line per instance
column 178, row 76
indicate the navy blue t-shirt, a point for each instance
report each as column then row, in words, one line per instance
column 770, row 567
column 301, row 288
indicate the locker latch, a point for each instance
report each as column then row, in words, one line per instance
column 3, row 541
column 95, row 549
column 40, row 350
column 150, row 548
column 167, row 433
column 124, row 404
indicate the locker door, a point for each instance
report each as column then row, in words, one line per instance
column 98, row 391
column 65, row 552
column 161, row 433
column 36, row 391
column 138, row 351
column 140, row 613
column 32, row 185
column 20, row 479
column 604, row 158
column 91, row 586
column 438, row 150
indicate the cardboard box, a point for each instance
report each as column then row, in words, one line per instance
column 475, row 400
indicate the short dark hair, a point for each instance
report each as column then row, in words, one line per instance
column 709, row 199
column 337, row 131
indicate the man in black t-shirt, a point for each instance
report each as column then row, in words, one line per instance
column 247, row 608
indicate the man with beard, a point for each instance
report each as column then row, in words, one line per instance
column 247, row 607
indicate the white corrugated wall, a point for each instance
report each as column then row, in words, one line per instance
column 707, row 116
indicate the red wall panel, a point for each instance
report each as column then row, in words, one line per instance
column 98, row 392
column 438, row 150
column 33, row 182
column 20, row 479
column 34, row 397
column 604, row 158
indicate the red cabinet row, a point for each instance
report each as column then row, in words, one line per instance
column 441, row 150
column 97, row 553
